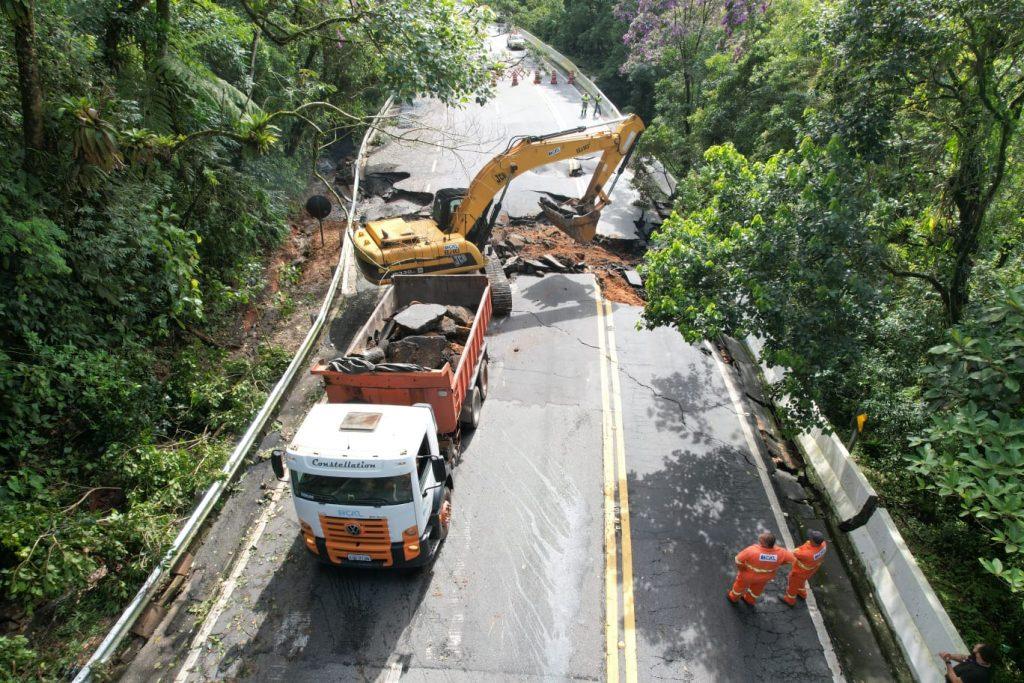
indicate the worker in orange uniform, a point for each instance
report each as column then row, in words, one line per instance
column 756, row 565
column 807, row 560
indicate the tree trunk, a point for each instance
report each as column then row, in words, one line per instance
column 977, row 180
column 113, row 31
column 163, row 14
column 29, row 87
column 298, row 126
column 687, row 100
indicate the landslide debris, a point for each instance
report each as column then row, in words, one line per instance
column 536, row 248
column 417, row 337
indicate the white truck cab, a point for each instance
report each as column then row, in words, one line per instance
column 370, row 486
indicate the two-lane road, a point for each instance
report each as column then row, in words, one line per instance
column 597, row 509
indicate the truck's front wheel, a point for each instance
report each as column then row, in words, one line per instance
column 444, row 516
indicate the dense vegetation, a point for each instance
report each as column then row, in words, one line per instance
column 851, row 192
column 153, row 148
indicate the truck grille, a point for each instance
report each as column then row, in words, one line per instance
column 368, row 537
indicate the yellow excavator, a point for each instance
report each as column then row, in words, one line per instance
column 452, row 240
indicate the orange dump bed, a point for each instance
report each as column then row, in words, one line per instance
column 443, row 389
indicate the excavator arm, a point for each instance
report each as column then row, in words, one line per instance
column 580, row 218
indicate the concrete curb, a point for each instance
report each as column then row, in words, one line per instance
column 913, row 611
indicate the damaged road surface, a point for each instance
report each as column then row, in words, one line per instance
column 518, row 590
column 596, row 511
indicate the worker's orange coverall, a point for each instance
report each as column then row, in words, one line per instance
column 756, row 566
column 807, row 560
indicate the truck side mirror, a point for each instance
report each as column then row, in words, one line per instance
column 277, row 462
column 440, row 471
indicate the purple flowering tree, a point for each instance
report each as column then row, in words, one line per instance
column 675, row 34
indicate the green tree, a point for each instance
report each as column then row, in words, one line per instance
column 782, row 250
column 155, row 148
column 973, row 451
column 931, row 90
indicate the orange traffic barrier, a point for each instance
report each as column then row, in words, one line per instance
column 536, row 77
column 554, row 77
column 571, row 77
column 515, row 78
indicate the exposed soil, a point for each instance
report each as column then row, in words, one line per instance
column 605, row 258
column 296, row 276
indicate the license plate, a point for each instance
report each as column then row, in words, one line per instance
column 360, row 558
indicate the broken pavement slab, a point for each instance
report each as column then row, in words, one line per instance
column 426, row 351
column 460, row 315
column 633, row 277
column 417, row 318
column 789, row 486
column 554, row 263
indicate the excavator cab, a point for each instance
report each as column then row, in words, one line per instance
column 446, row 202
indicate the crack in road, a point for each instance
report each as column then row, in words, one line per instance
column 654, row 392
column 748, row 457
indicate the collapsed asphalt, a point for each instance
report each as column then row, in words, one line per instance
column 517, row 592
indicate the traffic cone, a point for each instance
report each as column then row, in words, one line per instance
column 572, row 77
column 536, row 77
column 554, row 77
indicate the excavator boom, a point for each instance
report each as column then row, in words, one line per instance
column 579, row 219
column 454, row 239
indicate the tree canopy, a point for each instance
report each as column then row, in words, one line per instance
column 154, row 149
column 850, row 192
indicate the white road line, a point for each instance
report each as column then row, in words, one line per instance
column 780, row 518
column 196, row 649
column 433, row 166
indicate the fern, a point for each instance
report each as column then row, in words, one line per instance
column 175, row 82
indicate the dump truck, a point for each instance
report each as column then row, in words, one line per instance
column 372, row 468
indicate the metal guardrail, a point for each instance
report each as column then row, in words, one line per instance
column 192, row 526
column 567, row 65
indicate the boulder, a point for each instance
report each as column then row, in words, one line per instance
column 516, row 241
column 460, row 315
column 427, row 351
column 417, row 318
column 447, row 327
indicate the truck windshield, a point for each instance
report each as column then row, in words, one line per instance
column 353, row 490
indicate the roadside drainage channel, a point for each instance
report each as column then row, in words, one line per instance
column 866, row 647
column 915, row 617
column 176, row 561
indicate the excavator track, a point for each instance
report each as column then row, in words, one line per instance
column 501, row 288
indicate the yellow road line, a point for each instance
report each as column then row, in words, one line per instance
column 611, row 581
column 628, row 613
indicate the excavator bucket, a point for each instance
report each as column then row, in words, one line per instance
column 577, row 224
